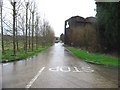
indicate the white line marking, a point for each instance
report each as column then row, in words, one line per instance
column 33, row 80
column 68, row 69
column 54, row 69
column 77, row 70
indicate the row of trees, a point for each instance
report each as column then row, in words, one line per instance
column 108, row 25
column 26, row 27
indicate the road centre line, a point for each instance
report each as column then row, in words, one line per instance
column 33, row 80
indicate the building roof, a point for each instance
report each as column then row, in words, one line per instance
column 90, row 19
column 77, row 18
column 81, row 19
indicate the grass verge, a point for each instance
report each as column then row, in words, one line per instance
column 20, row 54
column 94, row 57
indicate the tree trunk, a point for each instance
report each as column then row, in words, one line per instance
column 16, row 35
column 32, row 30
column 26, row 27
column 2, row 30
column 29, row 30
column 36, row 31
column 14, row 14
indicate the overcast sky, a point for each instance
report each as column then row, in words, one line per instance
column 57, row 11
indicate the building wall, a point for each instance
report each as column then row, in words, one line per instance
column 81, row 32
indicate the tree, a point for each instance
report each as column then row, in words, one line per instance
column 16, row 32
column 1, row 4
column 107, row 21
column 29, row 30
column 14, row 15
column 25, row 29
column 32, row 30
column 47, row 33
column 36, row 30
column 27, row 3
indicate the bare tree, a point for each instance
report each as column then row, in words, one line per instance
column 14, row 16
column 26, row 26
column 32, row 30
column 21, row 26
column 44, row 32
column 16, row 35
column 27, row 3
column 36, row 30
column 47, row 33
column 33, row 26
column 29, row 31
column 1, row 4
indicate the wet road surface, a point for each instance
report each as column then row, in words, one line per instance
column 57, row 68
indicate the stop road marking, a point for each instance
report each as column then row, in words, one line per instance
column 68, row 69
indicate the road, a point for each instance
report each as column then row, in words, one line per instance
column 57, row 68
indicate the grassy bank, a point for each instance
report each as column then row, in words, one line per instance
column 94, row 57
column 20, row 54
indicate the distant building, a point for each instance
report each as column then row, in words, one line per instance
column 79, row 30
column 62, row 37
column 70, row 24
column 57, row 39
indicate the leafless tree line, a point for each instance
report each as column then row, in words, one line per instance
column 26, row 26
